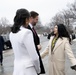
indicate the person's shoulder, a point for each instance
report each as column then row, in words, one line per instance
column 65, row 39
column 1, row 37
column 28, row 31
column 25, row 31
column 51, row 38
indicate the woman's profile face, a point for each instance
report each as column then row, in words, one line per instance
column 55, row 29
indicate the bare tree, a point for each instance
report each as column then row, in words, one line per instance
column 72, row 9
column 4, row 26
column 4, row 22
column 58, row 18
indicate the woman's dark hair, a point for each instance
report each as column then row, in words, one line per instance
column 62, row 32
column 20, row 19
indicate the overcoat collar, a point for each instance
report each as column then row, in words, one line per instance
column 58, row 43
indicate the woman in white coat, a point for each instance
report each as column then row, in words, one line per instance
column 26, row 60
column 59, row 44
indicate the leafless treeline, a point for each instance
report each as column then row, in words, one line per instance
column 67, row 17
column 4, row 26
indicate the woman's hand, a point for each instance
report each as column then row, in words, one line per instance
column 39, row 47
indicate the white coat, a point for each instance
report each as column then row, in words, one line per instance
column 26, row 60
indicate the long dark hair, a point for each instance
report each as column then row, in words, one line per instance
column 62, row 32
column 20, row 19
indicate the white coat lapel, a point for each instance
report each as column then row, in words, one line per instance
column 58, row 43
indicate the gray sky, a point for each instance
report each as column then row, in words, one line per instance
column 46, row 8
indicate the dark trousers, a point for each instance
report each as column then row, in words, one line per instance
column 1, row 57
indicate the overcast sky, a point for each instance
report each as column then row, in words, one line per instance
column 46, row 8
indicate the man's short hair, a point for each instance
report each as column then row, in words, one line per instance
column 33, row 14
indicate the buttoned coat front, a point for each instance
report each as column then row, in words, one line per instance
column 57, row 56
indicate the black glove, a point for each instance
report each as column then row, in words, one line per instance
column 73, row 67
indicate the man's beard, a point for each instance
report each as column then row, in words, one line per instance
column 34, row 24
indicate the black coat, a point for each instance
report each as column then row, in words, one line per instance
column 1, row 43
column 37, row 42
